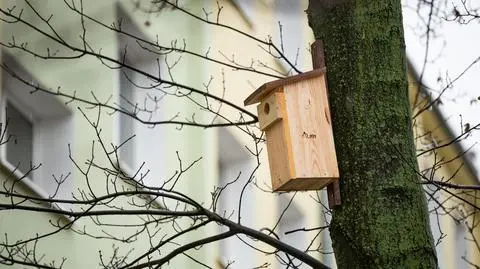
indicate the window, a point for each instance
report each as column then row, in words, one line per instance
column 40, row 127
column 289, row 15
column 126, row 126
column 234, row 159
column 19, row 151
column 143, row 147
column 461, row 243
column 139, row 96
column 292, row 219
column 462, row 236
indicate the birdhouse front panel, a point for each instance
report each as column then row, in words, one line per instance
column 279, row 153
column 295, row 115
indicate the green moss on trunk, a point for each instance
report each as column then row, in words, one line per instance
column 383, row 221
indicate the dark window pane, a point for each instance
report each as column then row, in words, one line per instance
column 20, row 147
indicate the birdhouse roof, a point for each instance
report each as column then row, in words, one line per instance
column 269, row 87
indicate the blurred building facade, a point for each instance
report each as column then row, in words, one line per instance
column 53, row 130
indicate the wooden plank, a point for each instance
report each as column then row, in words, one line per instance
column 269, row 87
column 288, row 139
column 310, row 129
column 318, row 55
column 318, row 61
column 303, row 184
column 279, row 153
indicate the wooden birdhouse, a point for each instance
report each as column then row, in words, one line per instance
column 295, row 115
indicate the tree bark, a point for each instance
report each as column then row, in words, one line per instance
column 383, row 220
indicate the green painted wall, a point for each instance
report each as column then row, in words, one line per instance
column 88, row 75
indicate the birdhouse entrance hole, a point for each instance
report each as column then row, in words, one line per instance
column 266, row 108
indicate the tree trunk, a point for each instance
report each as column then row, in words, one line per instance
column 383, row 219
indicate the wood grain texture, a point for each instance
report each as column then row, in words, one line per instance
column 310, row 129
column 269, row 110
column 295, row 116
column 279, row 154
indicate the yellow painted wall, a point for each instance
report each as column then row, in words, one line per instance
column 449, row 164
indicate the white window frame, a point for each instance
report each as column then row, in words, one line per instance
column 147, row 149
column 146, row 146
column 47, row 116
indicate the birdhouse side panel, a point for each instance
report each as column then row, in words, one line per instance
column 278, row 154
column 310, row 129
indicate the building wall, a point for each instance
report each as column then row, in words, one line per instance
column 87, row 77
column 451, row 217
